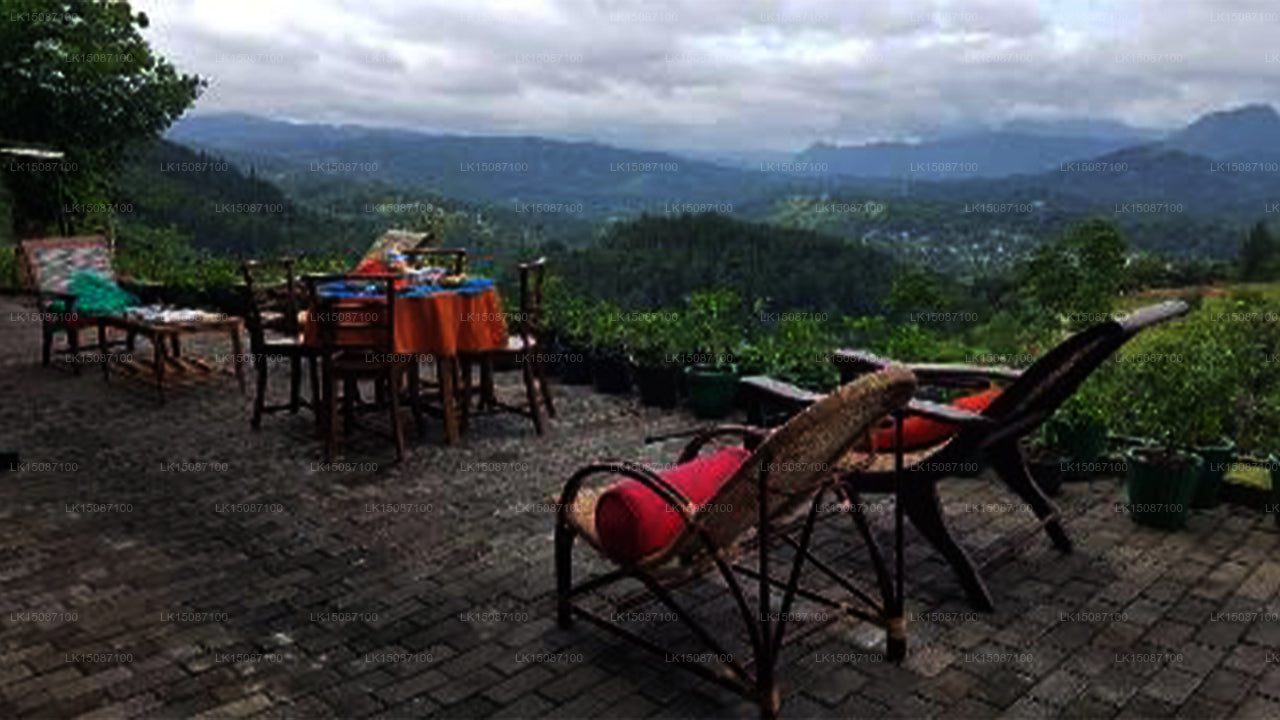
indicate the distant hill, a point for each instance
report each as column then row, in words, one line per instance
column 979, row 155
column 1251, row 132
column 510, row 172
column 224, row 209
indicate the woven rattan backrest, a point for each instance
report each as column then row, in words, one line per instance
column 52, row 262
column 798, row 456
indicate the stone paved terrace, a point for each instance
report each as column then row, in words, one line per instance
column 272, row 586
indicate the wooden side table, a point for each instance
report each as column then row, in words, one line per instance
column 165, row 341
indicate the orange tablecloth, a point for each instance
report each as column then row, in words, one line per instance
column 443, row 323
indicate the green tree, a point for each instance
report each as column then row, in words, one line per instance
column 1080, row 273
column 1259, row 254
column 78, row 76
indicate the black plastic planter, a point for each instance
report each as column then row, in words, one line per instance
column 575, row 366
column 659, row 386
column 712, row 391
column 611, row 373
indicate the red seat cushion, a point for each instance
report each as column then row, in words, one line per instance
column 919, row 433
column 632, row 521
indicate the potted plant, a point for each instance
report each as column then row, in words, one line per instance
column 1078, row 433
column 569, row 317
column 1180, row 390
column 713, row 376
column 610, row 370
column 655, row 341
column 1046, row 463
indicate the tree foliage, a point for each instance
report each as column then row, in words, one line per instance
column 77, row 75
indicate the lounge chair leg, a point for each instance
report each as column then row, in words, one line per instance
column 73, row 342
column 564, row 574
column 923, row 509
column 1009, row 465
column 259, row 397
column 46, row 347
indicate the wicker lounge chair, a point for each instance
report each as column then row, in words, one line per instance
column 990, row 436
column 778, row 486
column 49, row 264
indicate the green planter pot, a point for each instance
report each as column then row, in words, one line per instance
column 1160, row 495
column 1216, row 460
column 1083, row 442
column 659, row 385
column 712, row 391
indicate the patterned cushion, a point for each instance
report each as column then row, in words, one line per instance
column 53, row 262
column 397, row 240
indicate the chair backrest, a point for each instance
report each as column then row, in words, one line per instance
column 456, row 257
column 1053, row 378
column 532, row 275
column 50, row 263
column 798, row 456
column 354, row 324
column 270, row 286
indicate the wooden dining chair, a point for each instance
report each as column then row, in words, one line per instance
column 524, row 348
column 365, row 351
column 273, row 299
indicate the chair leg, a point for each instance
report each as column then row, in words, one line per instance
column 1012, row 469
column 350, row 396
column 315, row 385
column 397, row 427
column 295, row 383
column 925, row 512
column 487, row 397
column 564, row 573
column 332, row 430
column 260, row 394
column 535, row 406
column 465, row 392
column 415, row 399
column 538, row 372
column 46, row 346
column 130, row 340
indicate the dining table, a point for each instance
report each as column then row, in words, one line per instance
column 431, row 322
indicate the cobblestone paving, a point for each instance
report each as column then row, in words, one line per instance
column 172, row 563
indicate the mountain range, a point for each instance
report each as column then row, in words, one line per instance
column 1005, row 188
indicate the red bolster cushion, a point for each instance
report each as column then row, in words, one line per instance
column 919, row 433
column 632, row 521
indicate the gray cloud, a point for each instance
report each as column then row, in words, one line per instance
column 720, row 73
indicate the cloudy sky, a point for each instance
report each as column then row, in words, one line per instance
column 721, row 74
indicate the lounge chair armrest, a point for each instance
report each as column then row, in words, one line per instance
column 751, row 437
column 945, row 413
column 777, row 392
column 943, row 374
column 853, row 363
